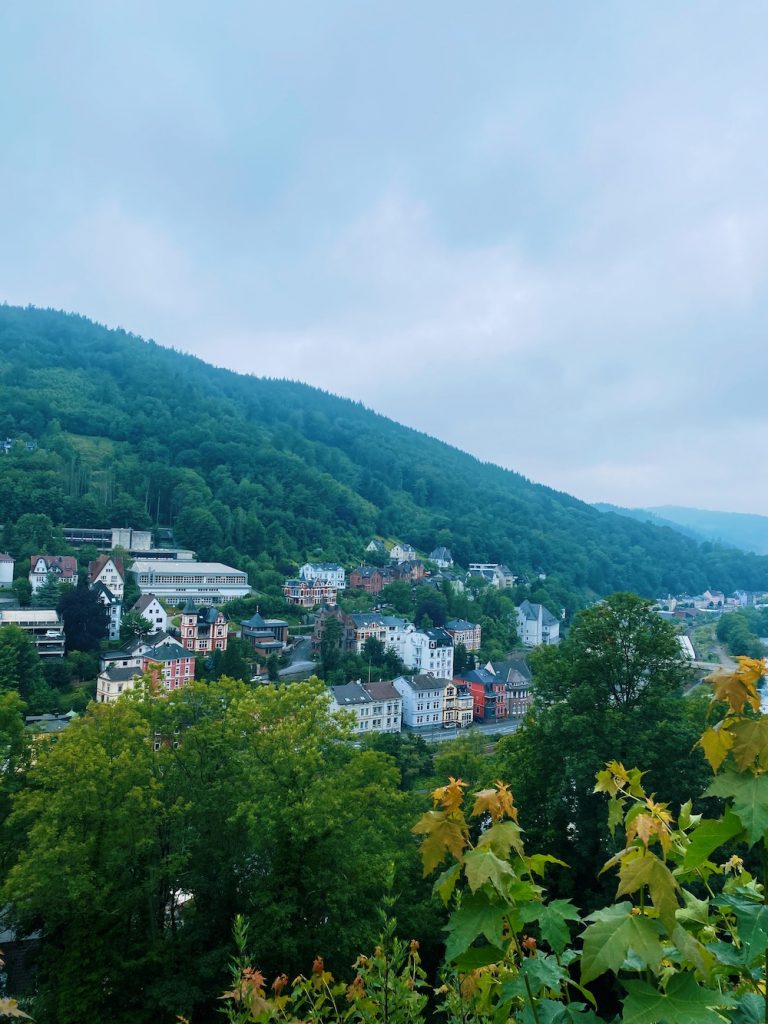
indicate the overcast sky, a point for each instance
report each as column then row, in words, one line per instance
column 536, row 230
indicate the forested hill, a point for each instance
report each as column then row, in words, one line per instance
column 267, row 472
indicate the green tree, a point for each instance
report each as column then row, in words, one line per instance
column 22, row 590
column 86, row 619
column 273, row 668
column 133, row 626
column 49, row 595
column 400, row 596
column 612, row 689
column 236, row 660
column 34, row 534
column 20, row 668
column 330, row 644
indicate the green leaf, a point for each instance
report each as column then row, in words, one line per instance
column 615, row 813
column 693, row 951
column 750, row 741
column 552, row 918
column 478, row 956
column 543, row 972
column 684, row 1002
column 750, row 800
column 752, row 920
column 645, row 868
column 750, row 1010
column 609, row 938
column 537, row 863
column 502, row 838
column 483, row 866
column 711, row 833
column 695, row 910
column 476, row 916
column 446, row 882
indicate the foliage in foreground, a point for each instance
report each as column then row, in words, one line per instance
column 686, row 943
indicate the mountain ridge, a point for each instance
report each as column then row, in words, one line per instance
column 266, row 470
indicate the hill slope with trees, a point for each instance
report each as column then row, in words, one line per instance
column 264, row 473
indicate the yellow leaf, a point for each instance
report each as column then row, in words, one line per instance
column 496, row 802
column 451, row 796
column 716, row 743
column 441, row 834
column 750, row 741
column 740, row 686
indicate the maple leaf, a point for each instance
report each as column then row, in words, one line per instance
column 552, row 918
column 442, row 834
column 483, row 866
column 476, row 916
column 451, row 796
column 496, row 802
column 750, row 800
column 750, row 742
column 740, row 686
column 716, row 743
column 707, row 836
column 684, row 1002
column 644, row 868
column 615, row 778
column 503, row 837
column 610, row 936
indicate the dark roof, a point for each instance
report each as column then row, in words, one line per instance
column 459, row 624
column 166, row 652
column 118, row 674
column 66, row 564
column 366, row 570
column 479, row 675
column 513, row 670
column 350, row 693
column 144, row 602
column 101, row 588
column 95, row 567
column 531, row 611
column 439, row 635
column 426, row 682
column 255, row 621
column 382, row 691
column 49, row 723
column 442, row 553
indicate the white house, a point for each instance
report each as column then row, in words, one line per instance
column 153, row 612
column 109, row 571
column 442, row 557
column 114, row 606
column 329, row 573
column 377, row 707
column 6, row 570
column 497, row 574
column 423, row 699
column 536, row 625
column 429, row 650
column 177, row 581
column 62, row 568
column 402, row 553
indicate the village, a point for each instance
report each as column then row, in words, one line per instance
column 181, row 617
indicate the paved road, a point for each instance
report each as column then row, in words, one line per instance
column 441, row 735
column 301, row 661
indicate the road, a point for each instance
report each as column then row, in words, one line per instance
column 441, row 735
column 301, row 661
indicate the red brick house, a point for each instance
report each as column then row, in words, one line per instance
column 368, row 578
column 203, row 630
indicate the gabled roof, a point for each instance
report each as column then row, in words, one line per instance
column 66, row 565
column 144, row 602
column 531, row 613
column 479, row 675
column 350, row 694
column 118, row 674
column 366, row 571
column 5, row 558
column 426, row 682
column 255, row 622
column 441, row 553
column 95, row 567
column 102, row 588
column 459, row 625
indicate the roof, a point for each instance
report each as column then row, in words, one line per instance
column 480, row 675
column 207, row 614
column 34, row 616
column 426, row 682
column 5, row 558
column 65, row 564
column 327, row 566
column 165, row 652
column 102, row 588
column 49, row 723
column 531, row 611
column 382, row 691
column 441, row 553
column 255, row 622
column 349, row 694
column 118, row 674
column 513, row 670
column 438, row 635
column 95, row 567
column 366, row 570
column 184, row 567
column 144, row 602
column 459, row 625
column 367, row 619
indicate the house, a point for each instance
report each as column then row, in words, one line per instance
column 463, row 632
column 330, row 573
column 266, row 636
column 442, row 558
column 177, row 581
column 496, row 574
column 109, row 571
column 377, row 547
column 6, row 570
column 42, row 625
column 203, row 630
column 309, row 593
column 390, row 630
column 367, row 578
column 149, row 606
column 517, row 675
column 114, row 606
column 171, row 666
column 536, row 625
column 400, row 552
column 62, row 568
column 429, row 650
column 410, row 569
column 458, row 705
column 377, row 707
column 489, row 702
column 423, row 700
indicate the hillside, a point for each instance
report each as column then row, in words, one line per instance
column 646, row 515
column 263, row 473
column 731, row 529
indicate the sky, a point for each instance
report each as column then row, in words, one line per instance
column 538, row 231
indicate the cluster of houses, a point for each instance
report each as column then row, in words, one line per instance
column 425, row 702
column 710, row 602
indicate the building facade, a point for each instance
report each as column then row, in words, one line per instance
column 328, row 572
column 462, row 632
column 6, row 570
column 109, row 571
column 458, row 706
column 149, row 606
column 423, row 700
column 377, row 707
column 43, row 626
column 170, row 667
column 429, row 651
column 536, row 625
column 62, row 568
column 204, row 630
column 309, row 593
column 177, row 581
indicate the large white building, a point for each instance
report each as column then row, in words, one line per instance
column 6, row 570
column 177, row 581
column 377, row 707
column 43, row 626
column 423, row 700
column 429, row 650
column 536, row 625
column 330, row 573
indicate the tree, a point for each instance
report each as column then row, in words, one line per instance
column 19, row 663
column 86, row 619
column 400, row 595
column 461, row 658
column 273, row 668
column 133, row 626
column 22, row 588
column 612, row 689
column 33, row 534
column 373, row 651
column 235, row 664
column 49, row 595
column 330, row 644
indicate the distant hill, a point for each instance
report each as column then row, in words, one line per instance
column 745, row 531
column 265, row 473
